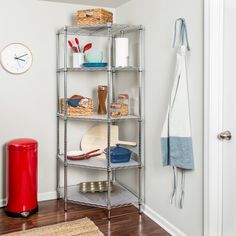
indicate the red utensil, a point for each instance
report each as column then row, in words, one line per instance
column 87, row 47
column 70, row 44
column 75, row 49
column 77, row 42
column 88, row 155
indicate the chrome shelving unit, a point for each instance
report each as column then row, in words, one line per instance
column 121, row 194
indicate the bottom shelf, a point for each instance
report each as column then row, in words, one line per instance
column 119, row 197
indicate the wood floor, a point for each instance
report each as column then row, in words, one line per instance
column 125, row 221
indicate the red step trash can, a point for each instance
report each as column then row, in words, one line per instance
column 21, row 177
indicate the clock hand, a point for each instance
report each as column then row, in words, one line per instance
column 18, row 63
column 19, row 59
column 22, row 55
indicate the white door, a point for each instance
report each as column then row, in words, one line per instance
column 229, row 120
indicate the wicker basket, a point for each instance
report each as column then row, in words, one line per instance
column 94, row 17
column 78, row 111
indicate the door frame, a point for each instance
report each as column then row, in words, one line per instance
column 213, row 111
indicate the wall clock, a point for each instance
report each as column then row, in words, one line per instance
column 16, row 58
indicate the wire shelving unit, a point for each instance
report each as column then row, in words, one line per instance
column 121, row 195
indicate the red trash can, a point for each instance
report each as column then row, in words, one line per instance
column 21, row 176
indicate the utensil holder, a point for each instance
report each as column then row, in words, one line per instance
column 78, row 60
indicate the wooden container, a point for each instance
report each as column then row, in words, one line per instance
column 78, row 111
column 96, row 16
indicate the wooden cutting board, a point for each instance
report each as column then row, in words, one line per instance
column 96, row 137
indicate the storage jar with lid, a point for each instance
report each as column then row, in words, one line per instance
column 123, row 99
column 102, row 96
column 115, row 110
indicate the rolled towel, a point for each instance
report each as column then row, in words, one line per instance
column 74, row 102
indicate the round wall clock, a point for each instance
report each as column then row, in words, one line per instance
column 16, row 58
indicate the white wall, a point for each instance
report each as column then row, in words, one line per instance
column 158, row 17
column 28, row 101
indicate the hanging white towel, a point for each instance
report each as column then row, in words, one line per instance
column 176, row 140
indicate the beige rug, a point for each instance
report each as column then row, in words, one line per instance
column 82, row 227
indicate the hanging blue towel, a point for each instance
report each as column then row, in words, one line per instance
column 176, row 140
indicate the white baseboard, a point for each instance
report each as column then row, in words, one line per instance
column 47, row 196
column 41, row 197
column 2, row 202
column 165, row 224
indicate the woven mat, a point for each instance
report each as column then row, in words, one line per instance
column 82, row 227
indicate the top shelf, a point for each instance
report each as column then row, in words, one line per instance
column 100, row 30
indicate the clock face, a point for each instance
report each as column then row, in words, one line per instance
column 16, row 58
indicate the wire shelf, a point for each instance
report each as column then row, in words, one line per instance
column 99, row 118
column 100, row 163
column 94, row 69
column 120, row 197
column 99, row 30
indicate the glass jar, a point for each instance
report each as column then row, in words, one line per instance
column 123, row 99
column 115, row 110
column 102, row 96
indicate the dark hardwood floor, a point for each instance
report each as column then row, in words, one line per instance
column 125, row 221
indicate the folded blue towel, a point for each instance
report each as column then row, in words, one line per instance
column 74, row 102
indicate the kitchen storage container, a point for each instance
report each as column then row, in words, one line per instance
column 94, row 57
column 102, row 96
column 94, row 17
column 78, row 111
column 21, row 176
column 115, row 110
column 123, row 99
column 78, row 60
column 119, row 154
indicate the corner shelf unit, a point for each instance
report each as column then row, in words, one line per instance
column 121, row 195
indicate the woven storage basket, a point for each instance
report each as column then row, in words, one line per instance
column 94, row 17
column 78, row 111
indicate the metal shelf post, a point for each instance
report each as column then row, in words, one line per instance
column 65, row 120
column 58, row 110
column 109, row 84
column 140, row 133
